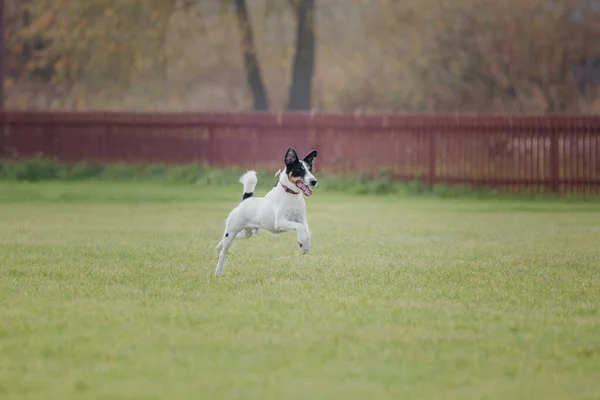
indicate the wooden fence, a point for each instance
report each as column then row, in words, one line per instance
column 524, row 153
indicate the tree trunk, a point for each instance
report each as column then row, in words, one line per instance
column 253, row 75
column 2, row 55
column 301, row 87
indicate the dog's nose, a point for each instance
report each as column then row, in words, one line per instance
column 313, row 182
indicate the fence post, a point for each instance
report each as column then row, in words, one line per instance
column 312, row 140
column 431, row 157
column 48, row 140
column 554, row 160
column 209, row 152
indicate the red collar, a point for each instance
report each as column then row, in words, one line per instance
column 287, row 189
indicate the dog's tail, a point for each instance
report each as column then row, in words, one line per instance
column 249, row 180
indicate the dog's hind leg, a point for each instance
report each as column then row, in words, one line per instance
column 226, row 243
column 233, row 226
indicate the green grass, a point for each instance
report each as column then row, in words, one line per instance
column 107, row 291
column 381, row 183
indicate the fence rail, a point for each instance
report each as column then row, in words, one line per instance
column 520, row 153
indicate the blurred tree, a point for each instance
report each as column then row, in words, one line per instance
column 304, row 59
column 505, row 56
column 2, row 80
column 521, row 60
column 99, row 41
column 253, row 74
column 113, row 46
column 410, row 55
column 304, row 55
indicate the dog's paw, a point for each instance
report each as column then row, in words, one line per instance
column 304, row 247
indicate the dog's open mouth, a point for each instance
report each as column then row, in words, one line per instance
column 305, row 189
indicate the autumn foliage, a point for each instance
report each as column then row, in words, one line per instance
column 475, row 56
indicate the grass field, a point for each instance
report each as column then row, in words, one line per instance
column 107, row 291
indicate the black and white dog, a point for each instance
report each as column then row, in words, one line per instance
column 283, row 209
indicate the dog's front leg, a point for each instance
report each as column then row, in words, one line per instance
column 306, row 247
column 285, row 225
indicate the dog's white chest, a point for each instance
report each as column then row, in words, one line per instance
column 294, row 214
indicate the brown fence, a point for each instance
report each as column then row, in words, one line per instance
column 516, row 153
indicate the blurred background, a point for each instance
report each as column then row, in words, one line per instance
column 501, row 94
column 409, row 56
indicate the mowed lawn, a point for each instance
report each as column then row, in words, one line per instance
column 107, row 291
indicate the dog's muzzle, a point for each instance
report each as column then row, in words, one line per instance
column 305, row 189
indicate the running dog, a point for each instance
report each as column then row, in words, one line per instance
column 283, row 209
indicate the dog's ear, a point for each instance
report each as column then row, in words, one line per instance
column 312, row 155
column 290, row 156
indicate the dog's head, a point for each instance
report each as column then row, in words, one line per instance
column 299, row 172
